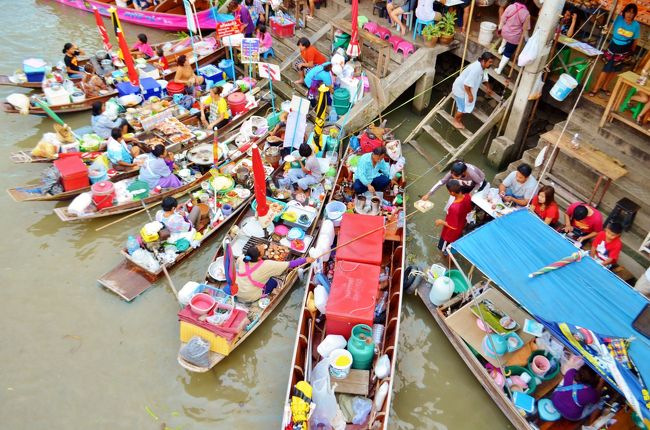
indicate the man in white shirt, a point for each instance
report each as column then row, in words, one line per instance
column 519, row 186
column 466, row 86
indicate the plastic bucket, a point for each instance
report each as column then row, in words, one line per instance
column 486, row 33
column 460, row 284
column 334, row 212
column 435, row 271
column 228, row 67
column 340, row 363
column 237, row 103
column 97, row 176
column 175, row 88
column 563, row 87
column 103, row 194
column 341, row 101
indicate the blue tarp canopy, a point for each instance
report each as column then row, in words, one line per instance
column 582, row 293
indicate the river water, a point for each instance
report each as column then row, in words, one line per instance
column 76, row 356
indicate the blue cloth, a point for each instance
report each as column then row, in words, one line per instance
column 582, row 293
column 154, row 168
column 317, row 73
column 118, row 151
column 379, row 184
column 102, row 125
column 366, row 172
column 624, row 33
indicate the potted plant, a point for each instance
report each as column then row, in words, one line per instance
column 447, row 27
column 430, row 34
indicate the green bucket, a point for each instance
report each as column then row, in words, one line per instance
column 341, row 101
column 341, row 41
column 460, row 285
column 139, row 189
column 272, row 120
column 518, row 370
column 555, row 365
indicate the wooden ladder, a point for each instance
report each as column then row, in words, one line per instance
column 471, row 138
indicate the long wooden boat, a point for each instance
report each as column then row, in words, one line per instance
column 312, row 325
column 169, row 15
column 562, row 304
column 5, row 80
column 256, row 314
column 87, row 104
column 129, row 279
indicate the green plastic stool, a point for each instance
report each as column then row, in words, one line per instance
column 578, row 70
column 565, row 55
column 362, row 20
column 636, row 110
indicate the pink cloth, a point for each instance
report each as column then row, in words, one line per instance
column 266, row 40
column 514, row 21
column 228, row 330
column 145, row 48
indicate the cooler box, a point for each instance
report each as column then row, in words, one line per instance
column 282, row 29
column 126, row 88
column 352, row 297
column 74, row 173
column 365, row 250
column 212, row 74
column 150, row 88
column 34, row 74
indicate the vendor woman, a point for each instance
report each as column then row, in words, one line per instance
column 625, row 34
column 578, row 396
column 219, row 115
column 119, row 153
column 254, row 274
column 156, row 172
column 71, row 60
column 175, row 220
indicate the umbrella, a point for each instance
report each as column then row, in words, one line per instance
column 102, row 30
column 353, row 48
column 43, row 105
column 321, row 112
column 259, row 178
column 229, row 269
column 128, row 59
column 576, row 256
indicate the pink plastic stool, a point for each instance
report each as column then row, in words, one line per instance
column 370, row 27
column 383, row 32
column 406, row 47
column 395, row 40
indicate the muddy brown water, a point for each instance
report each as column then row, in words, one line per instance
column 76, row 356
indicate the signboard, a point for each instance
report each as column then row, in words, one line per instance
column 269, row 71
column 228, row 28
column 250, row 50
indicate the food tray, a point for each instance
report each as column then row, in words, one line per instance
column 254, row 241
column 273, row 246
column 308, row 239
column 300, row 211
column 271, row 199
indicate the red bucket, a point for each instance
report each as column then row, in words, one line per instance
column 237, row 103
column 103, row 194
column 175, row 88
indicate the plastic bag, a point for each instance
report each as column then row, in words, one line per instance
column 320, row 298
column 80, row 203
column 537, row 89
column 51, row 181
column 330, row 343
column 530, row 51
column 382, row 367
column 323, row 395
column 145, row 259
column 45, row 149
column 196, row 351
column 361, row 408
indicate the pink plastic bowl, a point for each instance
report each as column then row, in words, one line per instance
column 541, row 365
column 202, row 303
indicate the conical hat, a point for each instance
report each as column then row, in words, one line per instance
column 64, row 133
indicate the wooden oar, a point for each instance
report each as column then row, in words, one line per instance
column 127, row 216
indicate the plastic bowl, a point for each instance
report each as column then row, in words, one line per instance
column 202, row 303
column 460, row 285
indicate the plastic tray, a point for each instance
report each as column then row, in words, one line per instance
column 271, row 199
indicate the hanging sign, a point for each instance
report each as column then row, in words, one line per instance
column 250, row 50
column 269, row 71
column 228, row 28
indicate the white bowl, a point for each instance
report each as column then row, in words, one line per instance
column 216, row 270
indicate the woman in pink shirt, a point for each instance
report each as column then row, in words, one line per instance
column 514, row 22
column 142, row 47
column 266, row 41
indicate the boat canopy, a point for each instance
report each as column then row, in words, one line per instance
column 582, row 293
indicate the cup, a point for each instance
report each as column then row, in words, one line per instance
column 226, row 209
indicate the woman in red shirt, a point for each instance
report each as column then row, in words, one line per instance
column 545, row 207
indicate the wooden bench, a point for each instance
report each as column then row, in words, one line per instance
column 382, row 46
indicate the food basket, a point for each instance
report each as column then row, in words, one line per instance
column 272, row 200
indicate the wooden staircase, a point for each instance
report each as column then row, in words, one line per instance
column 486, row 115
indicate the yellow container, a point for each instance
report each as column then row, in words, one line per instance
column 148, row 237
column 217, row 343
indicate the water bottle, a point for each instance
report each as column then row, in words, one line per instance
column 132, row 245
column 575, row 142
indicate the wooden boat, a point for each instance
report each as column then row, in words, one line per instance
column 129, row 279
column 169, row 15
column 5, row 80
column 256, row 314
column 312, row 326
column 496, row 291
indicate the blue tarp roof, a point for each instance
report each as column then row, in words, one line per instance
column 583, row 293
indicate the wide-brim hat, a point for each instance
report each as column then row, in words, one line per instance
column 64, row 133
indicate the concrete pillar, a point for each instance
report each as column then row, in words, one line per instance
column 421, row 104
column 546, row 24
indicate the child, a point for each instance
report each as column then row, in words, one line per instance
column 309, row 172
column 266, row 41
column 162, row 64
column 456, row 218
column 143, row 47
column 607, row 245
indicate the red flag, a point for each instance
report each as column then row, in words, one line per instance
column 128, row 59
column 102, row 30
column 259, row 179
column 215, row 149
column 353, row 48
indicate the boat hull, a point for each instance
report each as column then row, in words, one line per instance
column 162, row 21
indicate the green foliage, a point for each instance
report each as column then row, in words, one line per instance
column 448, row 24
column 430, row 31
column 181, row 35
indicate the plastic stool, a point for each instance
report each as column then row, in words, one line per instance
column 395, row 40
column 636, row 110
column 380, row 8
column 406, row 47
column 270, row 52
column 361, row 20
column 409, row 19
column 578, row 70
column 371, row 27
column 383, row 32
column 419, row 25
column 565, row 55
column 624, row 212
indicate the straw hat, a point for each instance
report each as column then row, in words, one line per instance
column 64, row 133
